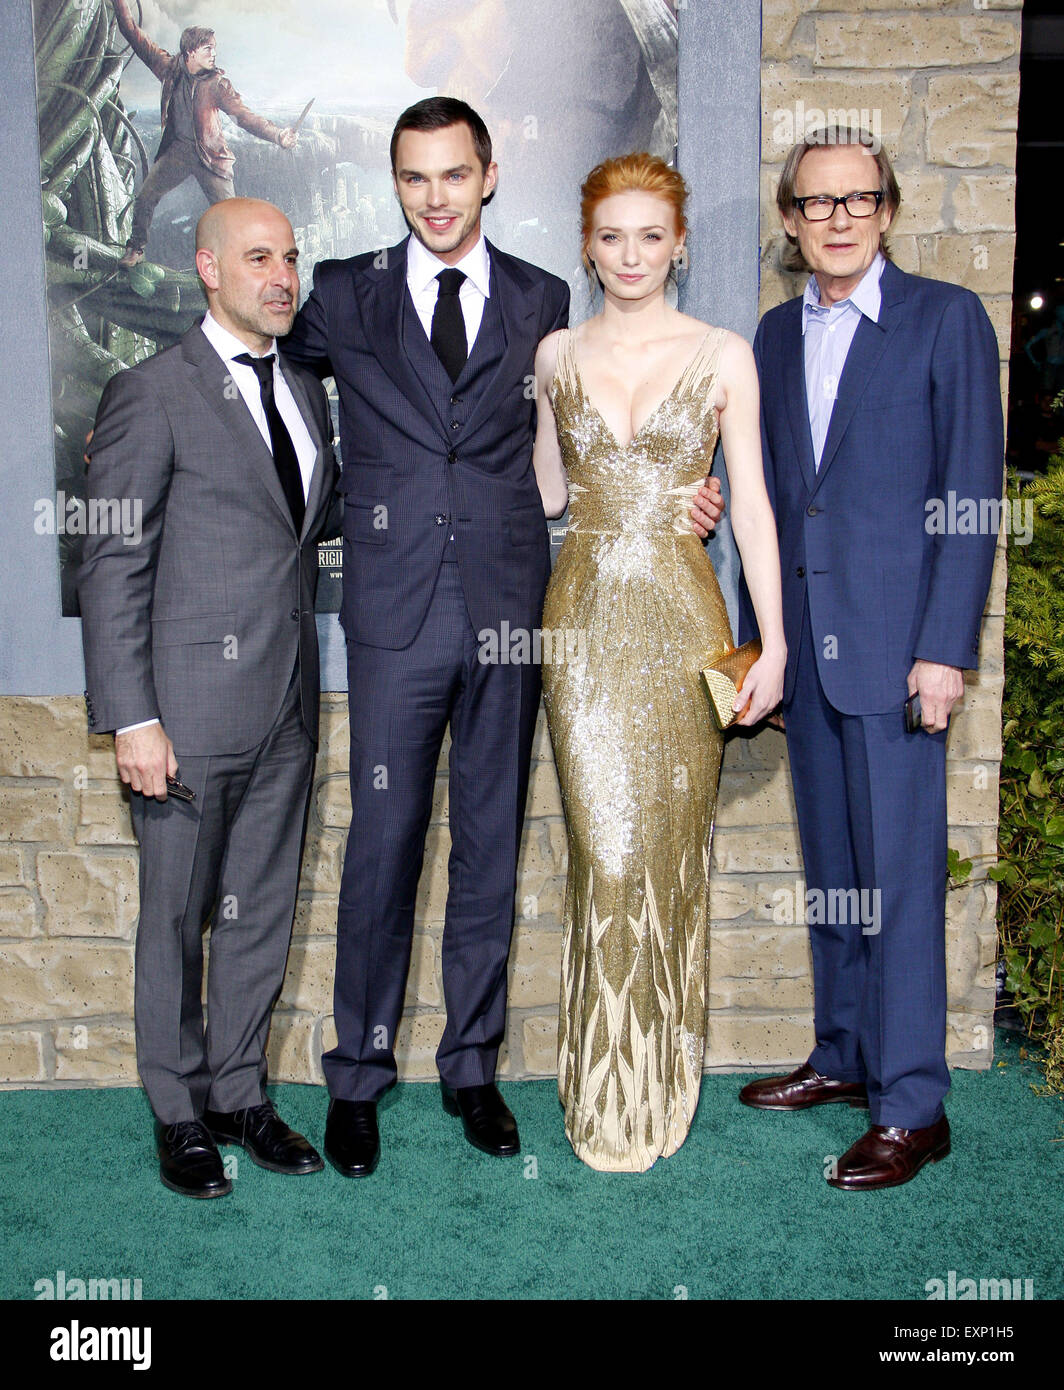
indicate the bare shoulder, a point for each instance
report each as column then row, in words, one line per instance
column 736, row 354
column 547, row 352
column 736, row 376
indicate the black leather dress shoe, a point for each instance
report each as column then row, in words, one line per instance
column 189, row 1161
column 268, row 1141
column 352, row 1141
column 487, row 1120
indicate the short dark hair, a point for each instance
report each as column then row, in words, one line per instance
column 437, row 113
column 838, row 134
column 194, row 37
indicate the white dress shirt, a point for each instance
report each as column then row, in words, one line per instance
column 828, row 332
column 228, row 346
column 422, row 267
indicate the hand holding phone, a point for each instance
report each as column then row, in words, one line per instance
column 178, row 789
column 913, row 715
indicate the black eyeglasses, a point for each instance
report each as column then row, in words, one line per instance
column 819, row 207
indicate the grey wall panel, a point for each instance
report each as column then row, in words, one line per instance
column 40, row 652
column 720, row 156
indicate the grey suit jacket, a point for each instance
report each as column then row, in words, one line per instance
column 201, row 621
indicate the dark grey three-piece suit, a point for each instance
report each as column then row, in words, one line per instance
column 208, row 624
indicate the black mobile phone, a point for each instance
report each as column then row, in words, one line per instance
column 913, row 716
column 178, row 789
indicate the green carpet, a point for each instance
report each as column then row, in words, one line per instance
column 742, row 1211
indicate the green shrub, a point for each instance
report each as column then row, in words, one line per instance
column 1030, row 867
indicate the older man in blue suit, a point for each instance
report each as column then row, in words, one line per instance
column 880, row 399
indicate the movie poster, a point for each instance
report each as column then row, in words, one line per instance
column 300, row 102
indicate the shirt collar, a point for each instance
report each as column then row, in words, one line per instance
column 422, row 266
column 867, row 295
column 227, row 345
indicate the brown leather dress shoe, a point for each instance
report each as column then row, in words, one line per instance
column 801, row 1089
column 887, row 1156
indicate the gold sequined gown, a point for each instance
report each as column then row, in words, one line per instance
column 634, row 606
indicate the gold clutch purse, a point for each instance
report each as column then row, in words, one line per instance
column 724, row 679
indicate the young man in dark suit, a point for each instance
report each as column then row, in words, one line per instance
column 431, row 344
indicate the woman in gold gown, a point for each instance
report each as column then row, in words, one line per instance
column 630, row 404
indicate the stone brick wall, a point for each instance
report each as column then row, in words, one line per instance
column 942, row 81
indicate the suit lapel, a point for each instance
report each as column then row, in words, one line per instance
column 519, row 302
column 310, row 418
column 421, row 358
column 381, row 293
column 795, row 401
column 215, row 384
column 868, row 346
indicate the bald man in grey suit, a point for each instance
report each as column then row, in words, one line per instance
column 201, row 653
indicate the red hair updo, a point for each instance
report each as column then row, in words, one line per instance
column 630, row 173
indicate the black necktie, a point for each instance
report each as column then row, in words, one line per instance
column 284, row 451
column 448, row 326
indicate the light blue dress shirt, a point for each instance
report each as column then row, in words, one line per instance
column 827, row 333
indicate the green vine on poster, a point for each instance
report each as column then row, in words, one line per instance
column 101, row 317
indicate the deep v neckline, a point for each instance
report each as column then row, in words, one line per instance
column 657, row 409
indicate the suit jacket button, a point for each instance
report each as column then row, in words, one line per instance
column 440, row 519
column 800, row 571
column 811, row 510
column 455, row 425
column 452, row 457
column 295, row 615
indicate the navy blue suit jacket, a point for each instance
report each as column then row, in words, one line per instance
column 916, row 419
column 401, row 455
